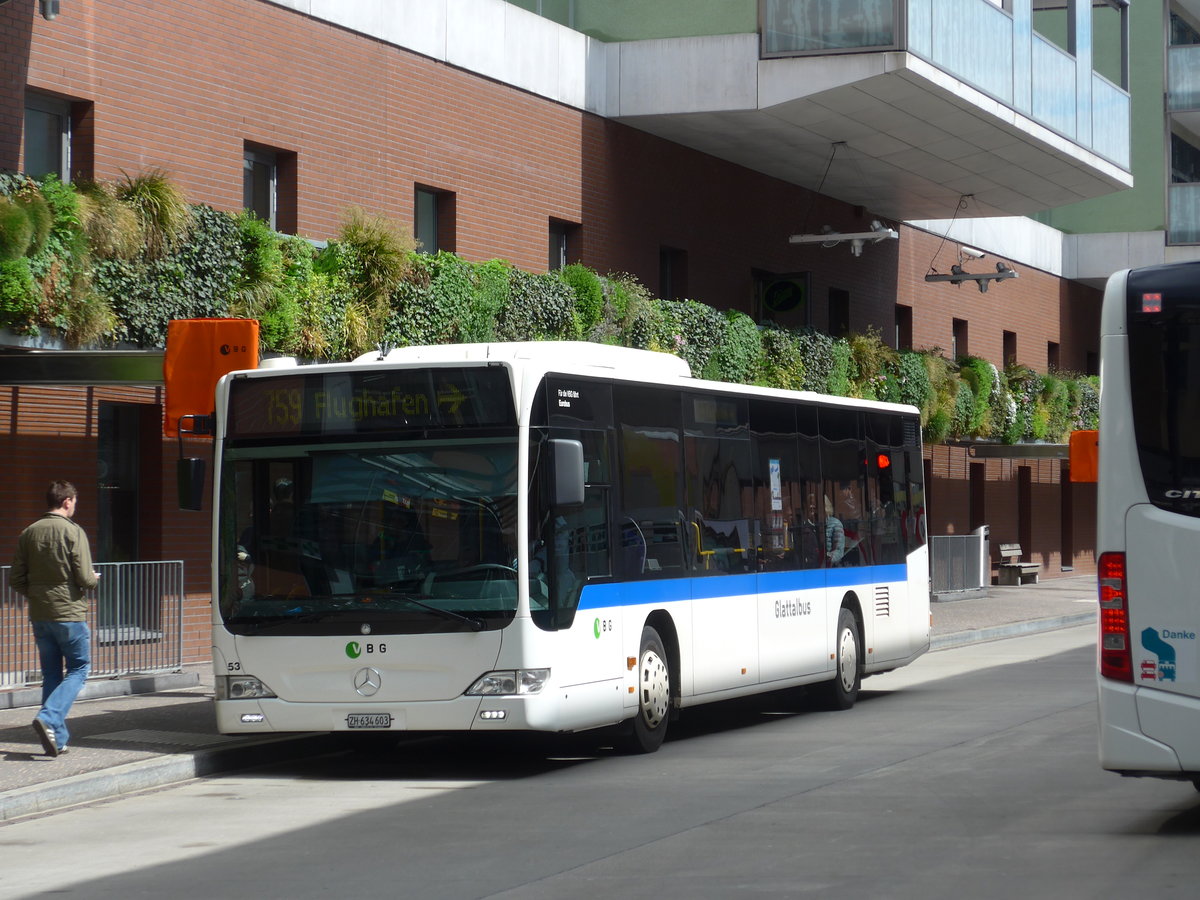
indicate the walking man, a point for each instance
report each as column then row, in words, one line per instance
column 52, row 568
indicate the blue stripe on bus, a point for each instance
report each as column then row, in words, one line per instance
column 674, row 590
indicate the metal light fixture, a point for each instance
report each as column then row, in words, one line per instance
column 958, row 275
column 49, row 8
column 830, row 238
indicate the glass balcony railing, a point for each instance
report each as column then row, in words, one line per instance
column 976, row 41
column 980, row 42
column 1183, row 214
column 1183, row 78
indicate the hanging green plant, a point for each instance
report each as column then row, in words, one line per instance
column 160, row 207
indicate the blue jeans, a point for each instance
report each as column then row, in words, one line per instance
column 62, row 644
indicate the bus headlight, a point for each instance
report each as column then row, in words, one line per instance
column 509, row 682
column 241, row 687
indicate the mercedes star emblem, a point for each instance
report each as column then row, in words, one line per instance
column 367, row 681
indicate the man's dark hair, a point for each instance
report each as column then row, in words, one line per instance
column 59, row 493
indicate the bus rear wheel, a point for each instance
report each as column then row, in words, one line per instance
column 649, row 726
column 843, row 690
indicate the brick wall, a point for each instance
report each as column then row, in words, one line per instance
column 47, row 433
column 1037, row 306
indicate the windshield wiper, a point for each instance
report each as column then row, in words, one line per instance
column 476, row 624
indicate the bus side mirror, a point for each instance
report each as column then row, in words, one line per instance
column 568, row 471
column 189, row 475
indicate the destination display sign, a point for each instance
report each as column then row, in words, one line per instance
column 355, row 403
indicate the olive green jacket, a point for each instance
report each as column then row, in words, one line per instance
column 52, row 568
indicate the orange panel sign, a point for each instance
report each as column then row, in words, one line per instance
column 199, row 352
column 1085, row 456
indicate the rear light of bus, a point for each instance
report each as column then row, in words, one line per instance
column 1116, row 655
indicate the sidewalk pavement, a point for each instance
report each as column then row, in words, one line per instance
column 146, row 731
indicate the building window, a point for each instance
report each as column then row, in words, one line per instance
column 433, row 218
column 1052, row 356
column 903, row 327
column 269, row 186
column 839, row 313
column 958, row 340
column 47, row 136
column 564, row 243
column 672, row 273
column 1010, row 348
column 260, row 174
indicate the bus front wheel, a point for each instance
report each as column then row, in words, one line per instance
column 654, row 695
column 843, row 690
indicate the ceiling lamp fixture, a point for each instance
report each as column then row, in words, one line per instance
column 830, row 238
column 958, row 275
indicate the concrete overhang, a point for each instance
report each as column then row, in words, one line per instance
column 910, row 139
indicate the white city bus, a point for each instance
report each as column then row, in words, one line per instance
column 552, row 537
column 1148, row 529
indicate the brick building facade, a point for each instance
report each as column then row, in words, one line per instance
column 190, row 88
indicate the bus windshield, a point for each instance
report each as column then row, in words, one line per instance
column 411, row 537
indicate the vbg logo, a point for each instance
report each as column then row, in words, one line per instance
column 354, row 649
column 226, row 349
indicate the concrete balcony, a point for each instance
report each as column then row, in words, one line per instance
column 957, row 98
column 963, row 97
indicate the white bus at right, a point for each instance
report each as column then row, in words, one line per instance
column 1148, row 528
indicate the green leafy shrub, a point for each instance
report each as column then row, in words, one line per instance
column 816, row 352
column 839, row 372
column 964, row 410
column 18, row 295
column 1024, row 387
column 589, row 295
column 430, row 305
column 1087, row 416
column 739, row 357
column 693, row 331
column 782, row 361
column 492, row 282
column 194, row 279
column 644, row 324
column 280, row 316
column 937, row 429
column 16, row 230
column 541, row 307
column 913, row 384
column 871, row 364
column 260, row 272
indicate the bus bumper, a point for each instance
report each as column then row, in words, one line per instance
column 1129, row 741
column 574, row 708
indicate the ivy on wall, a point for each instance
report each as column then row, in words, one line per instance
column 112, row 264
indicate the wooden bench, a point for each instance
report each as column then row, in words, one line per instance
column 1012, row 571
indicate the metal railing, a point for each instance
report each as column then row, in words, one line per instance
column 956, row 562
column 135, row 615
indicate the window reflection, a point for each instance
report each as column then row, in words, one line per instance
column 814, row 26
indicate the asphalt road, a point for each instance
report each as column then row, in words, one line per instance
column 970, row 774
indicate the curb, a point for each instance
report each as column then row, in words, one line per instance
column 979, row 635
column 122, row 686
column 152, row 773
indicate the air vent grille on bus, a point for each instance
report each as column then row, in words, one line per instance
column 912, row 433
column 883, row 602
